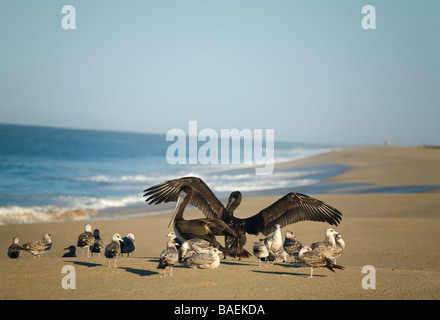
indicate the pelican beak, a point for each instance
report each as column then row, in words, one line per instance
column 230, row 202
column 182, row 196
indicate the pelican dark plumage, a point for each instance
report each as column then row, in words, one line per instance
column 293, row 207
column 206, row 228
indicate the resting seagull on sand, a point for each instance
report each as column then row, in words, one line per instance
column 38, row 247
column 196, row 245
column 14, row 250
column 204, row 260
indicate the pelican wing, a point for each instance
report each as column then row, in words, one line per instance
column 293, row 207
column 203, row 198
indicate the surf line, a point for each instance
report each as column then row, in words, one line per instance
column 208, row 153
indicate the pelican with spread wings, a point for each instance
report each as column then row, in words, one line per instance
column 293, row 207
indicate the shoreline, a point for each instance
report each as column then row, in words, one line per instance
column 395, row 233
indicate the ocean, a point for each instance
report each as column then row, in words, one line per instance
column 55, row 174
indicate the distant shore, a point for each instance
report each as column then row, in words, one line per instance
column 396, row 233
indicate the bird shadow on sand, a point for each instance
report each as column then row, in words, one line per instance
column 140, row 272
column 235, row 263
column 286, row 273
column 86, row 264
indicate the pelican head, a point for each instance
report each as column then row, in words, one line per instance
column 233, row 202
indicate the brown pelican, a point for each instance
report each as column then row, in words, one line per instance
column 293, row 207
column 316, row 259
column 14, row 250
column 206, row 228
column 38, row 247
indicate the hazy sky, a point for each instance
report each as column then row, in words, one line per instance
column 306, row 69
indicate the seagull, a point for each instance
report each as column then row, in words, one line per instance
column 204, row 260
column 172, row 235
column 315, row 259
column 86, row 240
column 274, row 243
column 113, row 250
column 260, row 251
column 14, row 251
column 340, row 246
column 327, row 246
column 291, row 245
column 197, row 245
column 127, row 245
column 71, row 253
column 38, row 247
column 98, row 244
column 169, row 257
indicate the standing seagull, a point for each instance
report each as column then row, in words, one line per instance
column 315, row 259
column 274, row 243
column 169, row 257
column 71, row 253
column 291, row 245
column 293, row 207
column 86, row 240
column 260, row 251
column 340, row 246
column 127, row 245
column 38, row 247
column 206, row 228
column 205, row 260
column 113, row 250
column 328, row 246
column 14, row 251
column 98, row 244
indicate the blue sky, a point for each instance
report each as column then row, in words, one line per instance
column 306, row 69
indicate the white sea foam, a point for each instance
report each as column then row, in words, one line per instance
column 72, row 208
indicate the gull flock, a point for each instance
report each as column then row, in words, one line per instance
column 198, row 248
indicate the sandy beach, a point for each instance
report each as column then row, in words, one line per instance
column 396, row 233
